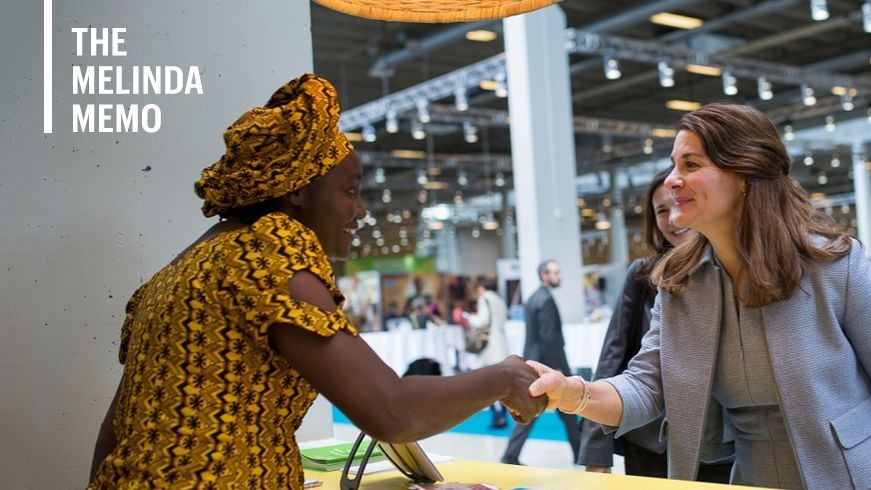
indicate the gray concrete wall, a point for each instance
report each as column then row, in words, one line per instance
column 82, row 223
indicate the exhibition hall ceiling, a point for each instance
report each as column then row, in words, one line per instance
column 368, row 60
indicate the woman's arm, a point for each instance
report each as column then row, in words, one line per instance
column 106, row 438
column 346, row 370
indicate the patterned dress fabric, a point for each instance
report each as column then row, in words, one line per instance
column 278, row 148
column 204, row 402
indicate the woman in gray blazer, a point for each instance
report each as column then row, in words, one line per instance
column 643, row 449
column 760, row 338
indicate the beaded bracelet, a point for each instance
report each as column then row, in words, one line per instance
column 585, row 398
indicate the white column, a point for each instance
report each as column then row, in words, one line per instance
column 862, row 190
column 543, row 152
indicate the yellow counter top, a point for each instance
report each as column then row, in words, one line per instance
column 510, row 476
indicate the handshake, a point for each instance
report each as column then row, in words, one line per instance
column 534, row 387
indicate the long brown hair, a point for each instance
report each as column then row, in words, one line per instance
column 655, row 239
column 779, row 231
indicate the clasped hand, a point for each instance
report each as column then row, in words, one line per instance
column 533, row 391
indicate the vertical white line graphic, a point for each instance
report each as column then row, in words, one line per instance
column 46, row 67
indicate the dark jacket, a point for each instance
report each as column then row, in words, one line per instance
column 544, row 332
column 629, row 323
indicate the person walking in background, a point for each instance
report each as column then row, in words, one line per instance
column 492, row 314
column 227, row 347
column 759, row 345
column 545, row 344
column 642, row 448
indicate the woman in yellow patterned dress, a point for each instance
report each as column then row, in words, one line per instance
column 225, row 348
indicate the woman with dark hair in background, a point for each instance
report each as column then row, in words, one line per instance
column 642, row 448
column 760, row 338
column 227, row 347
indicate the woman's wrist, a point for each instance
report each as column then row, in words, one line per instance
column 583, row 398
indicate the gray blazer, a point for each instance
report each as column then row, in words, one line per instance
column 544, row 331
column 819, row 343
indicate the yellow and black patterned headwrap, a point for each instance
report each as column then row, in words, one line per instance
column 278, row 148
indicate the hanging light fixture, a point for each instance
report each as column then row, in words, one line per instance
column 836, row 160
column 501, row 85
column 763, row 86
column 830, row 124
column 788, row 133
column 819, row 10
column 417, row 131
column 391, row 124
column 730, row 86
column 808, row 159
column 462, row 179
column 807, row 95
column 385, row 196
column 822, row 179
column 666, row 74
column 369, row 135
column 612, row 67
column 380, row 176
column 500, row 179
column 423, row 111
column 470, row 132
column 847, row 102
column 866, row 16
column 422, row 177
column 648, row 146
column 461, row 102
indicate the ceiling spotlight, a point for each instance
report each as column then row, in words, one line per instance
column 674, row 20
column 461, row 102
column 470, row 132
column 612, row 67
column 808, row 159
column 476, row 232
column 822, row 179
column 730, row 86
column 711, row 71
column 830, row 124
column 391, row 124
column 481, row 35
column 807, row 95
column 602, row 222
column 500, row 179
column 369, row 135
column 501, row 85
column 385, row 196
column 866, row 16
column 763, row 86
column 417, row 131
column 666, row 74
column 422, row 177
column 648, row 146
column 847, row 102
column 682, row 105
column 788, row 133
column 380, row 176
column 836, row 161
column 462, row 179
column 819, row 10
column 423, row 111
